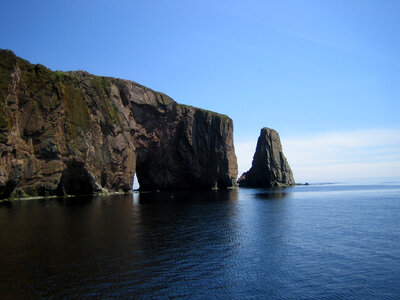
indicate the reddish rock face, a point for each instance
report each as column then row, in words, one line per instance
column 76, row 133
column 269, row 167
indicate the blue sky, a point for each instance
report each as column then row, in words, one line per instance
column 316, row 71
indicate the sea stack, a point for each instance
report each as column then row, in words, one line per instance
column 269, row 167
column 74, row 133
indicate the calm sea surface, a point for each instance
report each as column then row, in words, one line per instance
column 327, row 241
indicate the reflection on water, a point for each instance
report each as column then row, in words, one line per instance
column 302, row 242
column 272, row 195
column 187, row 196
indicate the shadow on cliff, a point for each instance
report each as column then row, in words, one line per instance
column 75, row 180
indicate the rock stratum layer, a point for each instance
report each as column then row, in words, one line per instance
column 66, row 133
column 269, row 167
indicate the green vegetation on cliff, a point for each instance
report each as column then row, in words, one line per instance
column 101, row 87
column 7, row 63
column 208, row 113
column 76, row 109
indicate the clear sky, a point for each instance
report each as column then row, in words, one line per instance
column 324, row 74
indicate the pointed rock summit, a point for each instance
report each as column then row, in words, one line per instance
column 269, row 167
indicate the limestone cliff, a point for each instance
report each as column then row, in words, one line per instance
column 76, row 133
column 269, row 167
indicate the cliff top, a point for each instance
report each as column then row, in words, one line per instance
column 8, row 59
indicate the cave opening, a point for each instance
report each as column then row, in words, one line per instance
column 75, row 180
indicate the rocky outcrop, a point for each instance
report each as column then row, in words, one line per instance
column 76, row 133
column 269, row 167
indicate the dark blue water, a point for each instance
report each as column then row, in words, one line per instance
column 328, row 241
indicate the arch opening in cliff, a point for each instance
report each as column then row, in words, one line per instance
column 135, row 185
column 143, row 178
column 75, row 180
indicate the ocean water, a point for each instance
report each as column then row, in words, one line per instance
column 323, row 241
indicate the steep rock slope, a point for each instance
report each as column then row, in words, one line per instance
column 76, row 133
column 269, row 167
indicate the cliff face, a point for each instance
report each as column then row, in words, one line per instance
column 269, row 167
column 76, row 133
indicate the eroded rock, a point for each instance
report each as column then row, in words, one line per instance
column 269, row 167
column 76, row 133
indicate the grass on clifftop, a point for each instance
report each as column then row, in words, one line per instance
column 213, row 113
